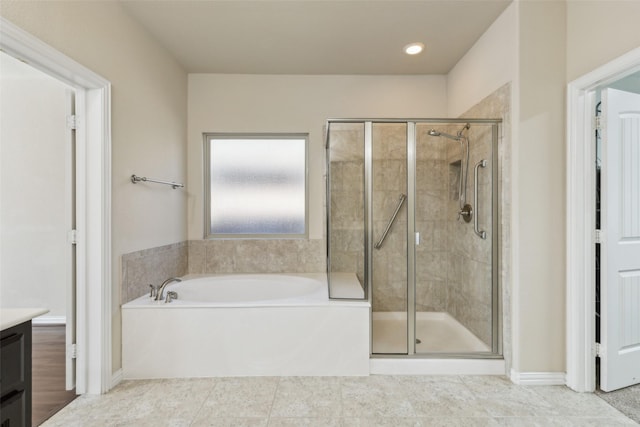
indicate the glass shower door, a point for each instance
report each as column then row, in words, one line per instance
column 389, row 238
column 455, row 291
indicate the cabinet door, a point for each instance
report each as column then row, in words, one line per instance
column 12, row 359
column 13, row 410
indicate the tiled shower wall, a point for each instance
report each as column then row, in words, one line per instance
column 433, row 190
column 347, row 198
column 389, row 288
column 498, row 105
column 469, row 269
column 453, row 268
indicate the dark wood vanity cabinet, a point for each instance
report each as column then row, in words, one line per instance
column 15, row 376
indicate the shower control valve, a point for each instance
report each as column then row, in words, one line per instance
column 466, row 213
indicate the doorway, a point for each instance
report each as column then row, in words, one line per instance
column 37, row 200
column 582, row 345
column 93, row 196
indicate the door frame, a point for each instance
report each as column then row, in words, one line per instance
column 93, row 198
column 581, row 179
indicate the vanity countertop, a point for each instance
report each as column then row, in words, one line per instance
column 14, row 316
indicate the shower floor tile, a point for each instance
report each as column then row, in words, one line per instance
column 437, row 332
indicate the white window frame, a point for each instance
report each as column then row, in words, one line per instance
column 208, row 136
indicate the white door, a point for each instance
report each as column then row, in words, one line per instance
column 620, row 259
column 70, row 255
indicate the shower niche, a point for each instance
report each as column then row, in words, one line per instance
column 412, row 222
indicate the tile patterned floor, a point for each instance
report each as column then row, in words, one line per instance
column 338, row 401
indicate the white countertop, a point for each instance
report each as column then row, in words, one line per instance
column 14, row 316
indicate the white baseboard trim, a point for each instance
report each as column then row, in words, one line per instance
column 49, row 320
column 538, row 378
column 398, row 366
column 116, row 378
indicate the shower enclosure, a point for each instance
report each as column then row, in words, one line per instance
column 412, row 219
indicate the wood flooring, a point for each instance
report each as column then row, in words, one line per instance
column 49, row 394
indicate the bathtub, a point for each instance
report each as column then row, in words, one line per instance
column 245, row 325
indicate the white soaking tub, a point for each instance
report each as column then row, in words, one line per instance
column 245, row 325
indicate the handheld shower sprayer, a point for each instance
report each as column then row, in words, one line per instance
column 466, row 210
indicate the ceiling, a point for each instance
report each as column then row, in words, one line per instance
column 315, row 37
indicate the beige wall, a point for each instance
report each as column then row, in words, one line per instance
column 526, row 45
column 487, row 66
column 149, row 106
column 598, row 32
column 278, row 103
column 540, row 165
column 538, row 46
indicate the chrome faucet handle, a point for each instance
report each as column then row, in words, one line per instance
column 154, row 291
column 171, row 295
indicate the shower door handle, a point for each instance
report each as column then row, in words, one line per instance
column 391, row 221
column 479, row 233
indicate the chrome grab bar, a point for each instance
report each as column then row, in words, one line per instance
column 481, row 234
column 391, row 221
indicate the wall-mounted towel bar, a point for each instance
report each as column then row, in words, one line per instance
column 136, row 179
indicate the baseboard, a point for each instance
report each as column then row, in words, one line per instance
column 49, row 320
column 538, row 378
column 116, row 378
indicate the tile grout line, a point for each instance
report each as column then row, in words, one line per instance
column 195, row 415
column 342, row 413
column 273, row 401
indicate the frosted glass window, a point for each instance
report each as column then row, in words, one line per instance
column 256, row 185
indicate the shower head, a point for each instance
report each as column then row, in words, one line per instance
column 434, row 132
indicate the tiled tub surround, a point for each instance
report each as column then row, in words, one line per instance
column 154, row 265
column 257, row 256
column 151, row 266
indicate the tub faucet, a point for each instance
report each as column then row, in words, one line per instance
column 160, row 291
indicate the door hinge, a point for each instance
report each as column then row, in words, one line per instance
column 72, row 351
column 597, row 349
column 598, row 236
column 73, row 237
column 72, row 122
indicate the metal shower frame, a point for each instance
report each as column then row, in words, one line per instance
column 496, row 311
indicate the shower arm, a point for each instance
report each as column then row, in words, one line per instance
column 391, row 221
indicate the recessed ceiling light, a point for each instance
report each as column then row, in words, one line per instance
column 413, row 48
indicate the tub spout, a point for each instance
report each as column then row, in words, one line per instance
column 160, row 291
